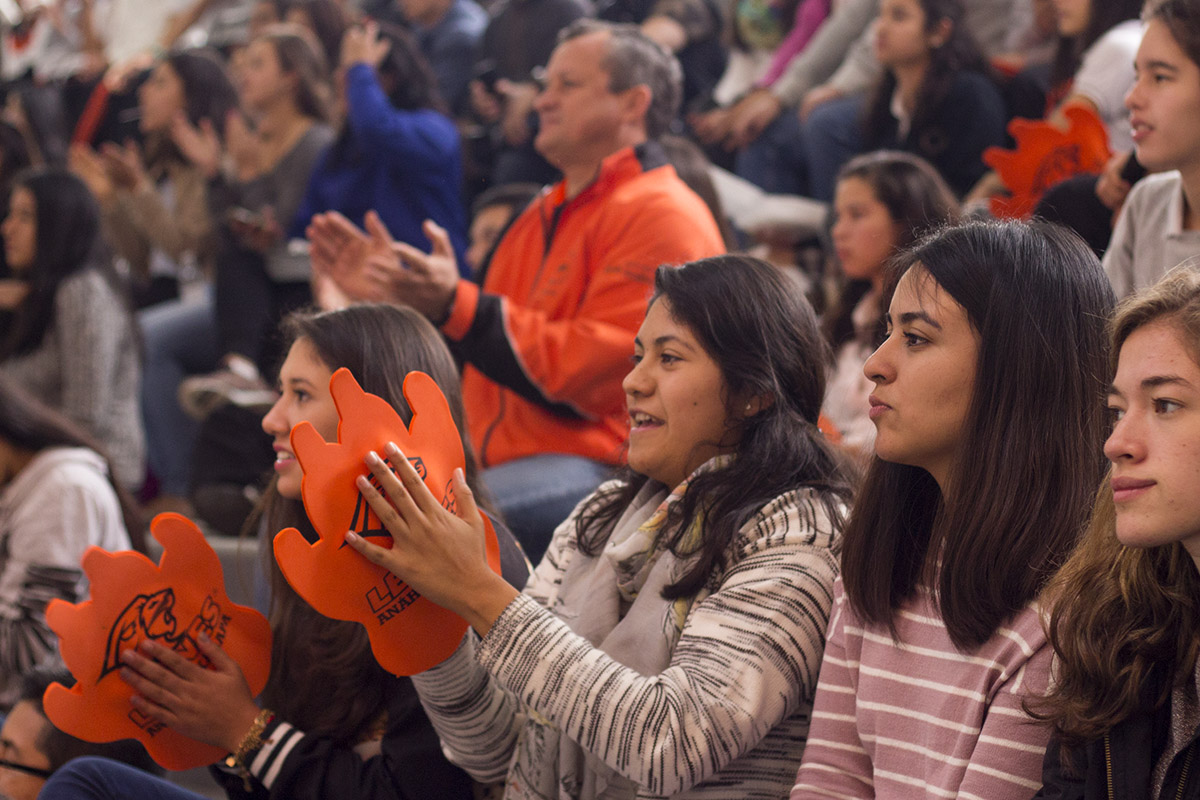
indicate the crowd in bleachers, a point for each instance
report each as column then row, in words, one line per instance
column 778, row 336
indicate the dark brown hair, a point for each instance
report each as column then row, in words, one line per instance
column 323, row 676
column 1121, row 612
column 299, row 54
column 916, row 198
column 1030, row 457
column 763, row 336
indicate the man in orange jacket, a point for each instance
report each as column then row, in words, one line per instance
column 547, row 337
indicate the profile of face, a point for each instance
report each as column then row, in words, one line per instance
column 901, row 37
column 1154, row 446
column 677, row 401
column 924, row 375
column 864, row 233
column 304, row 397
column 20, row 230
column 1164, row 102
column 579, row 114
column 1072, row 16
column 19, row 746
column 160, row 98
column 260, row 77
column 486, row 227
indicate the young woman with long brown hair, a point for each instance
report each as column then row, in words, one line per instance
column 988, row 430
column 1124, row 625
column 342, row 727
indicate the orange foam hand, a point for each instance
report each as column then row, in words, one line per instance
column 1045, row 155
column 133, row 599
column 408, row 633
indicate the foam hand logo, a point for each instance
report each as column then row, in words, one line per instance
column 1044, row 156
column 133, row 599
column 408, row 633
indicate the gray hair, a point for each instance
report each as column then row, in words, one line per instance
column 635, row 60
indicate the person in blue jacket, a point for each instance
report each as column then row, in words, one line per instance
column 398, row 150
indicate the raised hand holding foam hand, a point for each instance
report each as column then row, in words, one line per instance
column 133, row 601
column 408, row 633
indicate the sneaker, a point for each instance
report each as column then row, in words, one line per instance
column 239, row 383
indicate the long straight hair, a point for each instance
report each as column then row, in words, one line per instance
column 1103, row 16
column 959, row 53
column 67, row 241
column 323, row 676
column 1030, row 458
column 764, row 338
column 1119, row 612
column 916, row 198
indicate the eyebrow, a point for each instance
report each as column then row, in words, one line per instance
column 1162, row 65
column 1154, row 382
column 915, row 316
column 664, row 340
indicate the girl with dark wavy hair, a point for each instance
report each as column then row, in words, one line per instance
column 667, row 644
column 988, row 430
column 1126, row 609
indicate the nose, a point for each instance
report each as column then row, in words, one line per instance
column 637, row 381
column 1133, row 98
column 274, row 422
column 879, row 367
column 1127, row 441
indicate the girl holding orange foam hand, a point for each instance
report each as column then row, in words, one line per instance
column 335, row 724
column 669, row 640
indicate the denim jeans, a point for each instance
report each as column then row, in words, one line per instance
column 775, row 161
column 180, row 340
column 537, row 493
column 92, row 778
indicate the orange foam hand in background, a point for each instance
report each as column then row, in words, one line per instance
column 133, row 599
column 408, row 633
column 1045, row 155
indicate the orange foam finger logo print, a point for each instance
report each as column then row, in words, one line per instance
column 133, row 599
column 408, row 633
column 1045, row 155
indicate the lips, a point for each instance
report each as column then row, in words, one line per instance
column 283, row 456
column 1139, row 129
column 1126, row 489
column 878, row 407
column 641, row 421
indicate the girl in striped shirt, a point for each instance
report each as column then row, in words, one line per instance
column 986, row 406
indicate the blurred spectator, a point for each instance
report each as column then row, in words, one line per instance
column 325, row 18
column 71, row 340
column 448, row 33
column 57, row 498
column 491, row 214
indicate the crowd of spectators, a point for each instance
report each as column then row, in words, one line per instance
column 780, row 485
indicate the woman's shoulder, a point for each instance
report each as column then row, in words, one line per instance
column 87, row 288
column 803, row 516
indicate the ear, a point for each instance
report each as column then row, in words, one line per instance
column 752, row 406
column 635, row 102
column 940, row 33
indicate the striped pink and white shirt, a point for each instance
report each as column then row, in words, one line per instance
column 915, row 717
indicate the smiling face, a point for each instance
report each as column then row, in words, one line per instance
column 579, row 116
column 160, row 98
column 865, row 234
column 20, row 230
column 924, row 374
column 676, row 398
column 304, row 397
column 1164, row 103
column 1155, row 442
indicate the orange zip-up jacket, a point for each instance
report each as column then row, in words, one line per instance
column 549, row 336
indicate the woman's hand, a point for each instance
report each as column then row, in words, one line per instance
column 213, row 706
column 363, row 45
column 125, row 165
column 90, row 168
column 199, row 144
column 439, row 553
